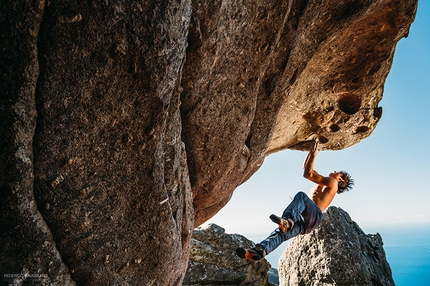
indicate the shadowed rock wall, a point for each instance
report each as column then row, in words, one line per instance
column 104, row 162
column 125, row 123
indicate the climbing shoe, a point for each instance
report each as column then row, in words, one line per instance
column 284, row 224
column 255, row 253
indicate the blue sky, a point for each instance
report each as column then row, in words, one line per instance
column 391, row 167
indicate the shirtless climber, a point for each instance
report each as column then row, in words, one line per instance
column 304, row 213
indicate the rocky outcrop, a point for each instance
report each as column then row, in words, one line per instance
column 213, row 260
column 337, row 253
column 263, row 76
column 98, row 98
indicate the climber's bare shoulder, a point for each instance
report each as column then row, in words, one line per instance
column 323, row 194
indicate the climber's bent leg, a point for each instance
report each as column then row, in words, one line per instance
column 277, row 237
column 294, row 210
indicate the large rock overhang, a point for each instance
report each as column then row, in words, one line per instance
column 263, row 77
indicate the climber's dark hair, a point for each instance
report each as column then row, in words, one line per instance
column 347, row 184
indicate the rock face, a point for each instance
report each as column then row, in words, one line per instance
column 262, row 76
column 213, row 260
column 94, row 176
column 337, row 253
column 125, row 123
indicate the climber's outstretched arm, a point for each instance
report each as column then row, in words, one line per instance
column 308, row 164
column 309, row 172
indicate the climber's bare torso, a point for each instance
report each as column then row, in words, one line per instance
column 323, row 195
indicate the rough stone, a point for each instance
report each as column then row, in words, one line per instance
column 213, row 260
column 101, row 176
column 262, row 76
column 98, row 98
column 336, row 253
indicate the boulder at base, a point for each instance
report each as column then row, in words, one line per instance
column 213, row 260
column 337, row 253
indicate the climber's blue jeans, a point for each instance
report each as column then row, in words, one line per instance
column 306, row 216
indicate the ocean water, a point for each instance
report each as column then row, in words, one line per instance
column 407, row 250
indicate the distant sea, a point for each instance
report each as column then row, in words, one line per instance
column 407, row 249
column 408, row 252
